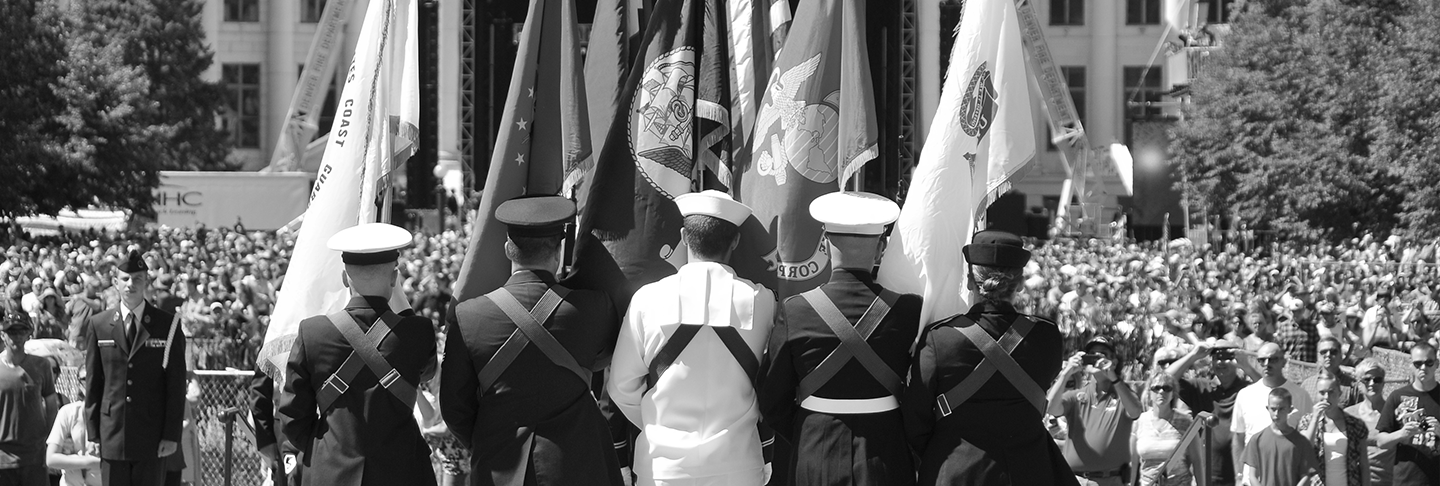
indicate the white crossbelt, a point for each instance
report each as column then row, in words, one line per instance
column 862, row 405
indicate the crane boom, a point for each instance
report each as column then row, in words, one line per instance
column 315, row 78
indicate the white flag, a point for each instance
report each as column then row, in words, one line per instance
column 982, row 135
column 374, row 129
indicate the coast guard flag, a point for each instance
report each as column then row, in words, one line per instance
column 815, row 129
column 671, row 138
column 982, row 135
column 543, row 136
column 373, row 132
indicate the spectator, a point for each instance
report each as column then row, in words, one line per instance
column 1254, row 405
column 1157, row 435
column 1294, row 329
column 1378, row 328
column 1381, row 449
column 1099, row 416
column 80, row 307
column 1410, row 413
column 1215, row 394
column 27, row 399
column 1350, row 392
column 1337, row 436
column 1278, row 455
column 65, row 448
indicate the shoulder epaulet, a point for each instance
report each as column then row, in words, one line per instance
column 946, row 321
column 1041, row 320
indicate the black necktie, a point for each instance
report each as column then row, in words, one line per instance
column 130, row 327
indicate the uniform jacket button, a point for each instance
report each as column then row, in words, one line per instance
column 127, row 399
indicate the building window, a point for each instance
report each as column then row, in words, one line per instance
column 1218, row 11
column 242, row 10
column 1142, row 12
column 1140, row 90
column 311, row 10
column 1067, row 12
column 242, row 105
column 1075, row 80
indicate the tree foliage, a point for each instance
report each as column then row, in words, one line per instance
column 1293, row 125
column 96, row 97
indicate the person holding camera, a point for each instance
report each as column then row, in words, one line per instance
column 1214, row 394
column 1099, row 414
column 1411, row 414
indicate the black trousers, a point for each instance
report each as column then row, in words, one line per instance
column 133, row 473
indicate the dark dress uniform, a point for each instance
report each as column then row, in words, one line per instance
column 368, row 437
column 538, row 424
column 836, row 448
column 997, row 437
column 135, row 396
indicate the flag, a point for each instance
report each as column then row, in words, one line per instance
column 758, row 29
column 374, row 130
column 543, row 135
column 611, row 50
column 981, row 138
column 814, row 130
column 671, row 137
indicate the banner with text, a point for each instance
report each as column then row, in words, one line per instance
column 254, row 200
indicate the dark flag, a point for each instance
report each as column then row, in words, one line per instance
column 814, row 130
column 543, row 136
column 672, row 138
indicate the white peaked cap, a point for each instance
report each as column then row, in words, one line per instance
column 854, row 213
column 713, row 203
column 370, row 243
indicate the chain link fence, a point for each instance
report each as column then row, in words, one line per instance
column 220, row 390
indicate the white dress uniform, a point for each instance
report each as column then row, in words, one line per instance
column 698, row 424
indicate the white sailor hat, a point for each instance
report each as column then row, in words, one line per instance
column 713, row 203
column 854, row 213
column 370, row 243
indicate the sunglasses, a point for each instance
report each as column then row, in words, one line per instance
column 1371, row 379
column 1268, row 359
column 1162, row 388
column 1165, row 363
column 1423, row 364
column 1329, row 351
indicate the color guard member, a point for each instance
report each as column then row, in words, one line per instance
column 349, row 391
column 837, row 356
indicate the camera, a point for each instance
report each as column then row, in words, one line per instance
column 1222, row 354
column 1091, row 358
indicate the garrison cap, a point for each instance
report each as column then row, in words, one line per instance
column 995, row 248
column 133, row 263
column 370, row 243
column 535, row 216
column 713, row 203
column 854, row 213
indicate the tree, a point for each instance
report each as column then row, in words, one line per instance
column 1281, row 131
column 166, row 39
column 30, row 50
column 96, row 97
column 1406, row 131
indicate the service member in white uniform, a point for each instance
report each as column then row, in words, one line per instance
column 687, row 357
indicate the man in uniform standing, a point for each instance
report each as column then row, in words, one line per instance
column 837, row 354
column 688, row 356
column 349, row 391
column 515, row 385
column 974, row 407
column 135, row 398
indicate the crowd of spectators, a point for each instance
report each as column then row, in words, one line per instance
column 221, row 282
column 1160, row 308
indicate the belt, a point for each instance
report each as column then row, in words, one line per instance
column 1098, row 474
column 862, row 405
